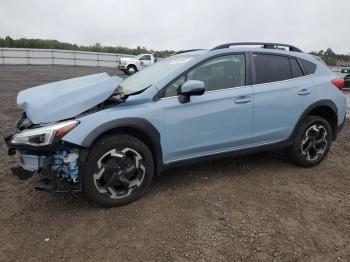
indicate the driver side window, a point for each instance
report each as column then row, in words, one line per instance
column 219, row 73
column 173, row 88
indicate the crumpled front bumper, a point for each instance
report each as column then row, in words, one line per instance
column 30, row 164
column 43, row 162
column 32, row 158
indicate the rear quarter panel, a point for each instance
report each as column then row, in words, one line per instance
column 325, row 90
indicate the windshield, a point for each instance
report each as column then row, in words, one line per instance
column 153, row 74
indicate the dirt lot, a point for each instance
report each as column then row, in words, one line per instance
column 258, row 207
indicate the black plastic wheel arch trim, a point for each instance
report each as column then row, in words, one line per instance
column 136, row 123
column 327, row 103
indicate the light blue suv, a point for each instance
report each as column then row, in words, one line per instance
column 110, row 137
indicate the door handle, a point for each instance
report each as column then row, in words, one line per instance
column 243, row 99
column 304, row 91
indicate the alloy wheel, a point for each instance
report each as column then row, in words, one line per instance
column 314, row 142
column 119, row 172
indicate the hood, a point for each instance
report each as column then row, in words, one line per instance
column 66, row 99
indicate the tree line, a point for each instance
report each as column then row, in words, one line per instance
column 333, row 59
column 328, row 56
column 54, row 44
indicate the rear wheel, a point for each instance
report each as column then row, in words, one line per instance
column 119, row 169
column 311, row 142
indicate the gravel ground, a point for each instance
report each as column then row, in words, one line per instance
column 258, row 207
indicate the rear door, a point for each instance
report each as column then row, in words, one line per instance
column 281, row 95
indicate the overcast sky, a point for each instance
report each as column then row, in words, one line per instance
column 181, row 24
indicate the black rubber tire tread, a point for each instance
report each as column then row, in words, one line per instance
column 127, row 69
column 105, row 144
column 295, row 153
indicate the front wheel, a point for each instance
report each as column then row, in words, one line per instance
column 119, row 169
column 131, row 69
column 311, row 142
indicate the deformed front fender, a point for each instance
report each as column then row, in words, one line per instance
column 138, row 127
column 137, row 123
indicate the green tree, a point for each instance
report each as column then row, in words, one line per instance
column 54, row 44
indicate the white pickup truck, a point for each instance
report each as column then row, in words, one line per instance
column 131, row 65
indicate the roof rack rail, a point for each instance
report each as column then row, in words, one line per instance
column 185, row 51
column 265, row 45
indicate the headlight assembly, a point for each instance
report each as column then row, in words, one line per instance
column 44, row 135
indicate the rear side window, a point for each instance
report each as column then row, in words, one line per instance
column 309, row 67
column 271, row 68
column 296, row 70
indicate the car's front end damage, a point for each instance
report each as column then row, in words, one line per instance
column 50, row 112
column 41, row 151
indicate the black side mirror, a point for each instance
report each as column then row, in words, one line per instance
column 190, row 88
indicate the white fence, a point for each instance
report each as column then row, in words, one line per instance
column 23, row 56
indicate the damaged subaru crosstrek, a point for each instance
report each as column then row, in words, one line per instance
column 110, row 137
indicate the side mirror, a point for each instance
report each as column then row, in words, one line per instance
column 190, row 88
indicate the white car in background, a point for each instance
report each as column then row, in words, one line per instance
column 131, row 65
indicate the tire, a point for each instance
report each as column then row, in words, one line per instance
column 119, row 169
column 312, row 142
column 131, row 69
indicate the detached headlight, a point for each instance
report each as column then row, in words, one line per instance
column 43, row 136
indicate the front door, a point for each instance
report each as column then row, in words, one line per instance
column 220, row 120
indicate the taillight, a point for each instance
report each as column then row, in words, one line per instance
column 339, row 83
